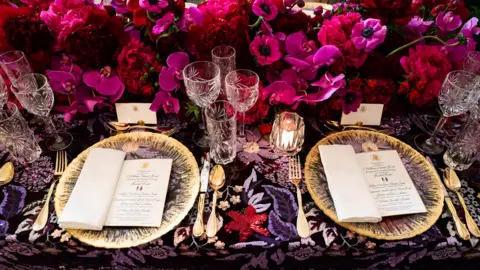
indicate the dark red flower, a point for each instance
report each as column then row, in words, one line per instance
column 292, row 22
column 258, row 111
column 265, row 129
column 247, row 223
column 98, row 42
column 401, row 11
column 356, row 84
column 134, row 62
column 6, row 14
column 378, row 91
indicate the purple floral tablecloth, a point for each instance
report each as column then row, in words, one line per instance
column 257, row 209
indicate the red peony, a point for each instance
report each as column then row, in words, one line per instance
column 258, row 111
column 97, row 43
column 427, row 67
column 378, row 91
column 292, row 22
column 134, row 61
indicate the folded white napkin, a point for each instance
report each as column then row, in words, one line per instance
column 352, row 200
column 88, row 205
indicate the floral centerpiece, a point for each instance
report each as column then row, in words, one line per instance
column 394, row 52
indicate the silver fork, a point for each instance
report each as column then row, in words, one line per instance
column 60, row 167
column 295, row 176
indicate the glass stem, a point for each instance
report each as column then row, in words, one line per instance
column 241, row 132
column 203, row 124
column 438, row 128
column 51, row 129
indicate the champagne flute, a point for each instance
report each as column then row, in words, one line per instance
column 15, row 65
column 202, row 82
column 36, row 96
column 242, row 92
column 459, row 92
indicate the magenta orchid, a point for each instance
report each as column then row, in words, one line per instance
column 154, row 5
column 105, row 82
column 266, row 49
column 292, row 78
column 417, row 26
column 163, row 23
column 192, row 16
column 297, row 45
column 448, row 21
column 62, row 82
column 328, row 85
column 165, row 100
column 280, row 92
column 325, row 56
column 467, row 33
column 84, row 102
column 265, row 8
column 368, row 34
column 170, row 77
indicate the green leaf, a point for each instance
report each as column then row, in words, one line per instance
column 193, row 111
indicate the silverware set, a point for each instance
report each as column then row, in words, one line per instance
column 60, row 167
column 295, row 176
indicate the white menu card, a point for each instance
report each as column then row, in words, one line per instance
column 368, row 186
column 111, row 191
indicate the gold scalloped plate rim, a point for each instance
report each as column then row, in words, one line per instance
column 100, row 243
column 434, row 212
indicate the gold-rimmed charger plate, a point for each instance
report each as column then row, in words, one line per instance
column 183, row 188
column 423, row 175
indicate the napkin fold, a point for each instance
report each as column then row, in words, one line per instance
column 90, row 200
column 349, row 191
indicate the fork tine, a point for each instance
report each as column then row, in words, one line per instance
column 299, row 167
column 64, row 161
column 57, row 159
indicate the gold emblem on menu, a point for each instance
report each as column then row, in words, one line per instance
column 363, row 108
column 145, row 165
column 375, row 157
column 135, row 108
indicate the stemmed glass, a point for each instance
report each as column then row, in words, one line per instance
column 202, row 82
column 242, row 92
column 15, row 65
column 224, row 57
column 36, row 96
column 459, row 92
column 472, row 62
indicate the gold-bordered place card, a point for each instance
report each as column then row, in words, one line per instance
column 366, row 115
column 135, row 112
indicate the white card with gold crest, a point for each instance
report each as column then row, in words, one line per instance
column 132, row 113
column 366, row 115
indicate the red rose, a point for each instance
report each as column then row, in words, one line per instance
column 134, row 61
column 353, row 56
column 427, row 67
column 265, row 129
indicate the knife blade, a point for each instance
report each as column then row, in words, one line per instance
column 205, row 174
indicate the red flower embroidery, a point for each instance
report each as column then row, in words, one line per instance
column 247, row 223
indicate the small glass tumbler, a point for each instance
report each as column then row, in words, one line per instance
column 15, row 64
column 224, row 57
column 17, row 137
column 465, row 148
column 288, row 133
column 222, row 131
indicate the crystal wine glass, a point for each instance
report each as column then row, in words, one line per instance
column 36, row 96
column 224, row 57
column 459, row 92
column 202, row 82
column 15, row 65
column 242, row 92
column 472, row 62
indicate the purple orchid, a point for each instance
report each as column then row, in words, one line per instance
column 448, row 21
column 170, row 77
column 292, row 78
column 328, row 85
column 163, row 23
column 280, row 92
column 368, row 34
column 266, row 49
column 417, row 26
column 65, row 63
column 326, row 55
column 468, row 31
column 350, row 100
column 154, row 5
column 84, row 102
column 192, row 16
column 165, row 100
column 62, row 82
column 105, row 82
column 265, row 8
column 297, row 45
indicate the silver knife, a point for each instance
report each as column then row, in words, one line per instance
column 461, row 228
column 198, row 227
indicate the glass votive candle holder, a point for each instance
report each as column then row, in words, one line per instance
column 288, row 133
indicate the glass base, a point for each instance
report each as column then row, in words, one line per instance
column 59, row 142
column 431, row 148
column 200, row 139
column 450, row 162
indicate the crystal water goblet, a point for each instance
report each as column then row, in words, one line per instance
column 222, row 130
column 15, row 64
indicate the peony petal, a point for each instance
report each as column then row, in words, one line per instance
column 167, row 79
column 109, row 86
column 178, row 60
column 91, row 78
column 326, row 55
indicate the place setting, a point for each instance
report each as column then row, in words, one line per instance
column 259, row 134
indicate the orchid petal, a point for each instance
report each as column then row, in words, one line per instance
column 326, row 55
column 167, row 79
column 109, row 86
column 178, row 60
column 294, row 43
column 300, row 64
column 91, row 78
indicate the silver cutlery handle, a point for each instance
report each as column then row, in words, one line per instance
column 212, row 220
column 471, row 224
column 302, row 223
column 461, row 229
column 42, row 217
column 198, row 227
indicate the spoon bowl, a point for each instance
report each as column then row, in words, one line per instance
column 6, row 173
column 217, row 177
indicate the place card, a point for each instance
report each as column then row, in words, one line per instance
column 366, row 115
column 130, row 113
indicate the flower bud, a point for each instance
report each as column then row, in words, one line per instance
column 301, row 3
column 437, row 10
column 318, row 11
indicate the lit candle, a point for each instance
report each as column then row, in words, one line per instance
column 288, row 132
